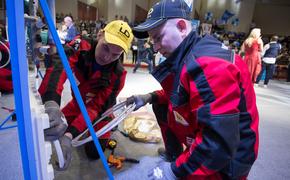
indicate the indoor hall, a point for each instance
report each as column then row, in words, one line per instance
column 27, row 156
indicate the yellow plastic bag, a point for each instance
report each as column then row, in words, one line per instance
column 142, row 127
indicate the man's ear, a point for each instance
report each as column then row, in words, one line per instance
column 182, row 27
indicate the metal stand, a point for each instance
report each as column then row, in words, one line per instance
column 15, row 9
column 6, row 120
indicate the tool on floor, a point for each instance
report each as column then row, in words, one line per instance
column 12, row 111
column 8, row 109
column 117, row 161
column 119, row 111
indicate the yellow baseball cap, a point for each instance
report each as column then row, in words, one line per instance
column 119, row 33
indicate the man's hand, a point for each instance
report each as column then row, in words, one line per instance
column 66, row 147
column 139, row 100
column 57, row 125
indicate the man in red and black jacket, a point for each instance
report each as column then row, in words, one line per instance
column 99, row 76
column 207, row 106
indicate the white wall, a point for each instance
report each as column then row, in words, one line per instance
column 143, row 4
column 274, row 19
column 102, row 9
column 71, row 6
column 120, row 8
column 245, row 14
column 197, row 5
column 106, row 8
column 66, row 7
column 90, row 2
column 243, row 10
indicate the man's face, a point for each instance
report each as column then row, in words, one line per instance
column 106, row 53
column 166, row 38
column 67, row 22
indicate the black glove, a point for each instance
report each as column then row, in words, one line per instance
column 66, row 147
column 139, row 100
column 56, row 122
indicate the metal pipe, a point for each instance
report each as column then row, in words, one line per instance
column 15, row 11
column 7, row 119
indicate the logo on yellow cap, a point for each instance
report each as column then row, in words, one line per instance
column 125, row 32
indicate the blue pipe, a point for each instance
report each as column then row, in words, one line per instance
column 8, row 127
column 7, row 119
column 15, row 11
column 73, row 84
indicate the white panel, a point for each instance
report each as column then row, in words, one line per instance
column 40, row 122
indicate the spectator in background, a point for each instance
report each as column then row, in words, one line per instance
column 269, row 54
column 206, row 29
column 226, row 40
column 98, row 26
column 142, row 55
column 126, row 19
column 72, row 30
column 62, row 32
column 252, row 48
column 134, row 50
column 150, row 51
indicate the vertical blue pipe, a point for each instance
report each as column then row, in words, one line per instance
column 15, row 12
column 73, row 84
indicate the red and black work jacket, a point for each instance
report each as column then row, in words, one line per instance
column 211, row 108
column 99, row 85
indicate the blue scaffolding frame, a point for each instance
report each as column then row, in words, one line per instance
column 15, row 11
column 10, row 116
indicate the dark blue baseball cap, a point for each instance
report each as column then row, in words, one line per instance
column 160, row 12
